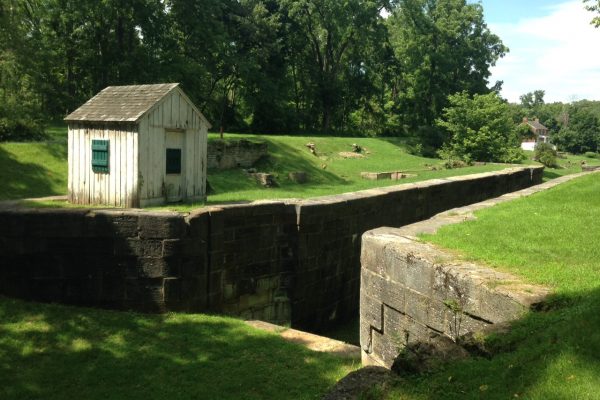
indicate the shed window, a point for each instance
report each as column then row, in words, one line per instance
column 173, row 161
column 100, row 156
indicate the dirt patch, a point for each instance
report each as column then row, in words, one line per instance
column 349, row 154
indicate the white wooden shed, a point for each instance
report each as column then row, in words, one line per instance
column 137, row 146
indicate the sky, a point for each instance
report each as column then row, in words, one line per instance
column 552, row 46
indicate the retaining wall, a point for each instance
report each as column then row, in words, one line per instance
column 234, row 154
column 295, row 262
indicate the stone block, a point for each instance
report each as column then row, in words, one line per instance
column 199, row 223
column 140, row 292
column 115, row 223
column 161, row 226
column 371, row 311
column 138, row 247
column 417, row 306
column 172, row 292
column 384, row 350
column 419, row 274
column 192, row 267
column 151, row 267
column 172, row 247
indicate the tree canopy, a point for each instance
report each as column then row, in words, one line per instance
column 253, row 65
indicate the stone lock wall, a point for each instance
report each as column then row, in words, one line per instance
column 295, row 262
column 414, row 293
column 125, row 260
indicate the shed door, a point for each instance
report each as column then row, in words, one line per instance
column 174, row 162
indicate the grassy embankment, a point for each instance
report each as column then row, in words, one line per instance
column 57, row 352
column 551, row 239
column 40, row 169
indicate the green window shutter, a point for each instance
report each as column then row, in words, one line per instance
column 100, row 156
column 173, row 161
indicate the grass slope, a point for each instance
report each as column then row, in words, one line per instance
column 550, row 238
column 40, row 169
column 56, row 352
column 329, row 173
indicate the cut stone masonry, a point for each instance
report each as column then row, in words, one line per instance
column 292, row 262
column 412, row 292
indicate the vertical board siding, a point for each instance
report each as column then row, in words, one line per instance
column 137, row 156
column 173, row 112
column 118, row 186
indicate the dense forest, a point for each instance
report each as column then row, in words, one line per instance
column 252, row 65
column 356, row 67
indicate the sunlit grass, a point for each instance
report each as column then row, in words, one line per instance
column 57, row 352
column 550, row 238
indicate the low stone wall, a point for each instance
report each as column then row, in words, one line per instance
column 279, row 261
column 234, row 154
column 413, row 293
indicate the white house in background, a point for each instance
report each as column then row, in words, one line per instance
column 137, row 146
column 539, row 134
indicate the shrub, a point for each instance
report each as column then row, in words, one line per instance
column 480, row 128
column 20, row 131
column 513, row 156
column 545, row 154
column 591, row 154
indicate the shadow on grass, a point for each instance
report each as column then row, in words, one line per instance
column 553, row 354
column 57, row 352
column 27, row 179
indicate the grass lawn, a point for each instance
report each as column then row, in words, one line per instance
column 34, row 169
column 550, row 238
column 40, row 169
column 57, row 352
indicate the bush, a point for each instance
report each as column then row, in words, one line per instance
column 591, row 154
column 514, row 156
column 20, row 131
column 480, row 128
column 545, row 154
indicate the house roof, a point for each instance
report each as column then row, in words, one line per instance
column 121, row 103
column 535, row 124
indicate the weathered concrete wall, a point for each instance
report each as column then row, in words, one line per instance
column 278, row 261
column 234, row 154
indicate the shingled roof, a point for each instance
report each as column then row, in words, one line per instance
column 535, row 124
column 121, row 103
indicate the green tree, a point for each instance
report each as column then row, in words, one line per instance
column 594, row 5
column 479, row 128
column 582, row 131
column 532, row 102
column 331, row 30
column 443, row 46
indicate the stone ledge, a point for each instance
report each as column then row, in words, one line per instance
column 419, row 287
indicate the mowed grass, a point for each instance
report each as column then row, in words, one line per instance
column 40, row 169
column 328, row 171
column 34, row 169
column 551, row 239
column 57, row 352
